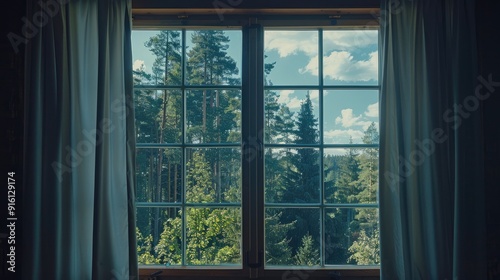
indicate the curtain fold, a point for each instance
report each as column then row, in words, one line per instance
column 431, row 154
column 79, row 216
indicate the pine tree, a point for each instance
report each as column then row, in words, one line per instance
column 344, row 191
column 307, row 159
column 308, row 253
column 341, row 221
column 146, row 109
column 199, row 189
column 278, row 250
column 302, row 182
column 280, row 128
column 213, row 235
column 285, row 125
column 199, row 186
column 332, row 170
column 365, row 249
column 271, row 107
column 166, row 71
column 209, row 64
column 367, row 182
column 166, row 48
column 213, row 115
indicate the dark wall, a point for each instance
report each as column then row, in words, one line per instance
column 11, row 81
column 11, row 128
column 488, row 33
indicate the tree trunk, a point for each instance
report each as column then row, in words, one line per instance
column 160, row 151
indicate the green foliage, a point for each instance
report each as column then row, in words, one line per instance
column 213, row 235
column 166, row 48
column 144, row 246
column 208, row 62
column 199, row 186
column 302, row 183
column 367, row 182
column 352, row 178
column 278, row 250
column 306, row 161
column 168, row 250
column 307, row 124
column 348, row 175
column 307, row 254
column 366, row 249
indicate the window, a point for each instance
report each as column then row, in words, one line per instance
column 257, row 148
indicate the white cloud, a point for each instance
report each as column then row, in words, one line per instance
column 294, row 103
column 291, row 42
column 349, row 39
column 340, row 65
column 372, row 110
column 285, row 96
column 314, row 94
column 340, row 135
column 348, row 119
column 336, row 152
column 138, row 64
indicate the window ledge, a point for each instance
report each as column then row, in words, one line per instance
column 296, row 273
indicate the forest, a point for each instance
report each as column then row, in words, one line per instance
column 199, row 172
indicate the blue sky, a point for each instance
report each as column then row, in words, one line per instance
column 350, row 58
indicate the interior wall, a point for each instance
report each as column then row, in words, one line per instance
column 11, row 127
column 488, row 33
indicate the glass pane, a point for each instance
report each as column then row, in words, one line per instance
column 213, row 175
column 213, row 116
column 292, row 175
column 158, row 116
column 291, row 116
column 350, row 57
column 213, row 57
column 292, row 236
column 351, row 116
column 352, row 236
column 159, row 173
column 351, row 175
column 291, row 57
column 159, row 235
column 213, row 236
column 157, row 57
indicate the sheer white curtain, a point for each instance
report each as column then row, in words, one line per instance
column 79, row 220
column 431, row 153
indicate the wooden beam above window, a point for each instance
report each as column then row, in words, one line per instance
column 254, row 7
column 255, row 4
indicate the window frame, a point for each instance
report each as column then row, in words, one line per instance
column 253, row 170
